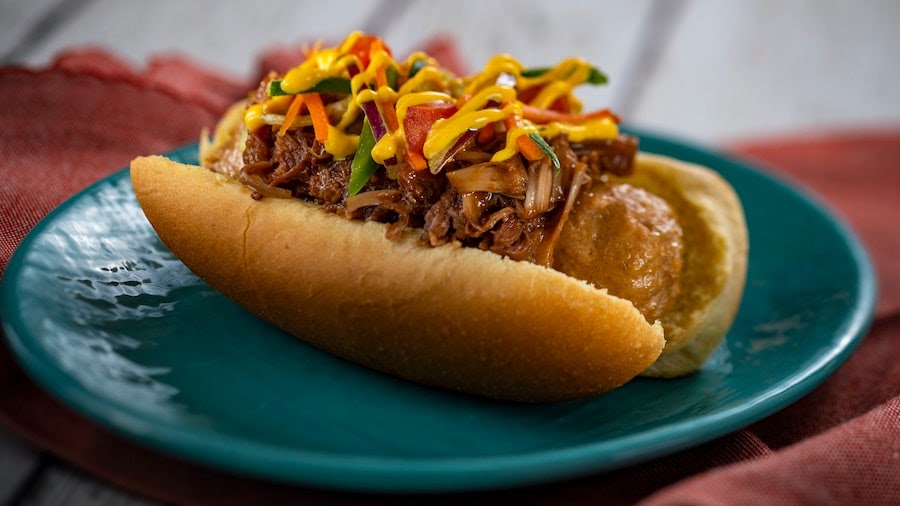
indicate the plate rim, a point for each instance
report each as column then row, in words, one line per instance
column 405, row 474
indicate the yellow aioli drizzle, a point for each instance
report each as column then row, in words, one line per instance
column 300, row 79
column 512, row 135
column 383, row 95
column 340, row 144
column 559, row 81
column 432, row 84
column 326, row 63
column 472, row 115
column 349, row 116
column 427, row 79
column 278, row 105
column 394, row 142
column 420, row 98
column 602, row 128
column 387, row 147
column 498, row 64
column 253, row 117
column 550, row 93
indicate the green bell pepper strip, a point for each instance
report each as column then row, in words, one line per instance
column 416, row 67
column 275, row 89
column 339, row 85
column 363, row 166
column 393, row 76
column 595, row 76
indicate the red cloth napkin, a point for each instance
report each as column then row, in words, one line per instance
column 91, row 113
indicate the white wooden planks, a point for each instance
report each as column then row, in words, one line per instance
column 220, row 34
column 536, row 32
column 18, row 19
column 17, row 462
column 62, row 486
column 736, row 69
column 708, row 70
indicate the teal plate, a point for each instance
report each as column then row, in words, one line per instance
column 102, row 315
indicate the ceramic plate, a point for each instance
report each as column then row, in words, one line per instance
column 102, row 315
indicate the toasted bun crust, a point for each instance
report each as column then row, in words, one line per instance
column 451, row 317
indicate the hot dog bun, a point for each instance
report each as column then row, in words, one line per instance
column 451, row 317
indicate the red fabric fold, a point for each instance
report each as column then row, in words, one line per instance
column 856, row 173
column 65, row 130
column 854, row 463
column 171, row 74
column 92, row 112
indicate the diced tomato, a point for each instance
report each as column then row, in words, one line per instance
column 543, row 116
column 528, row 94
column 561, row 104
column 362, row 48
column 418, row 122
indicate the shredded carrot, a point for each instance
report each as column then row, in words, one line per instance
column 485, row 135
column 380, row 72
column 389, row 114
column 380, row 77
column 417, row 161
column 376, row 45
column 526, row 146
column 318, row 115
column 539, row 115
column 529, row 149
column 291, row 114
column 510, row 122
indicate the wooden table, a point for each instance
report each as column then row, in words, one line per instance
column 707, row 71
